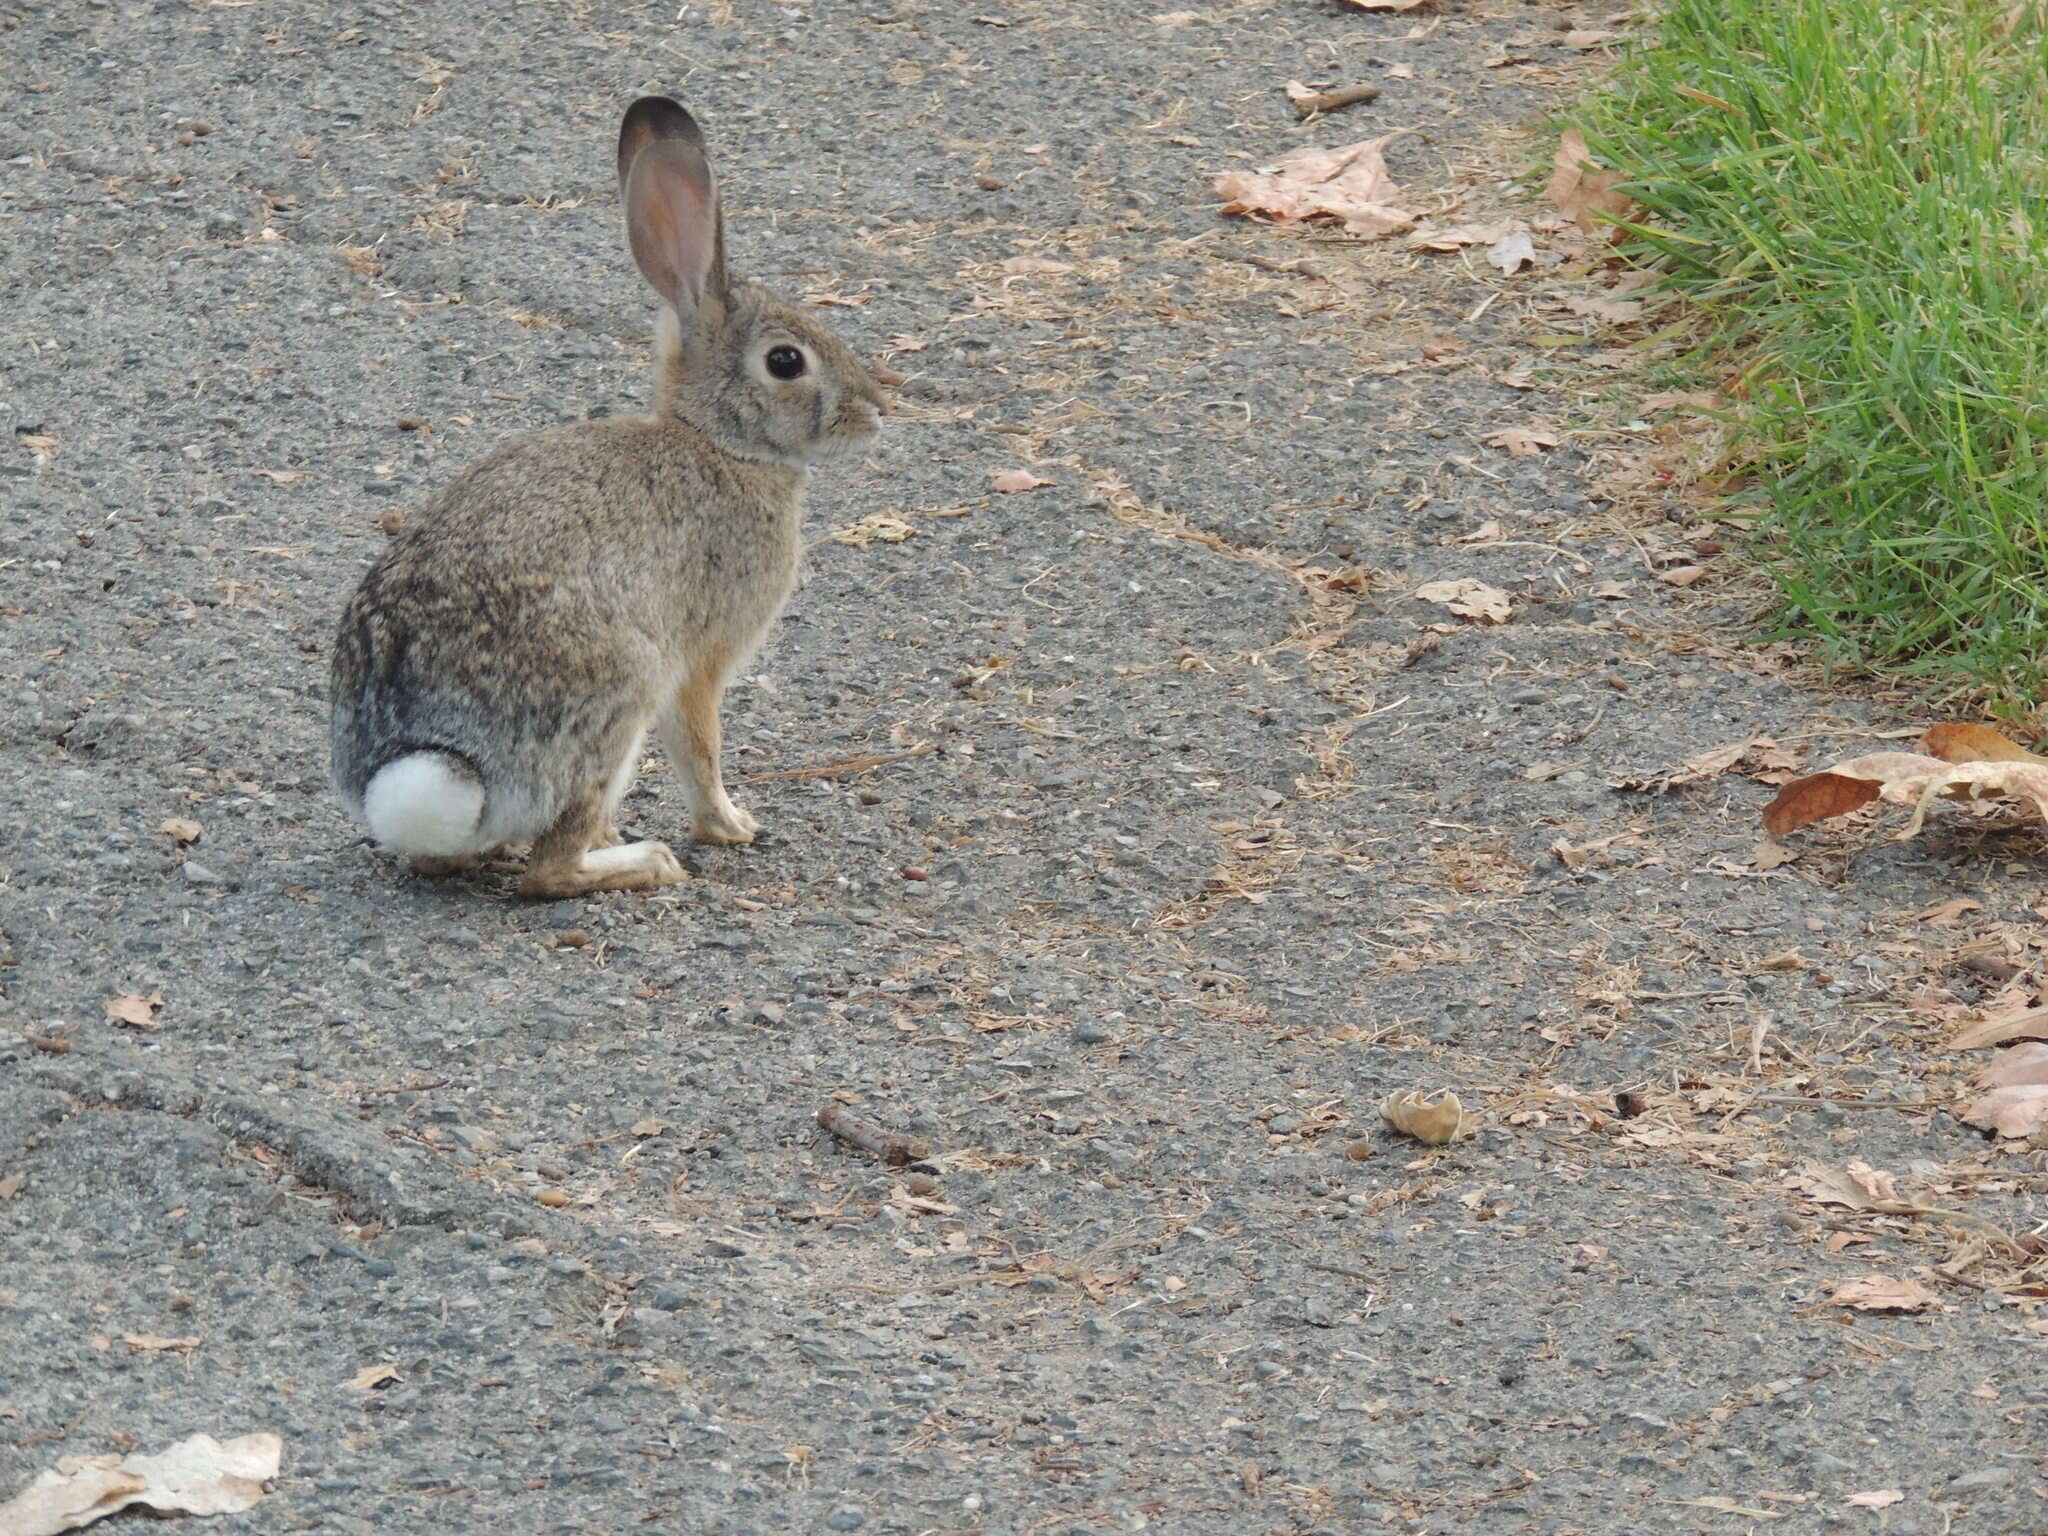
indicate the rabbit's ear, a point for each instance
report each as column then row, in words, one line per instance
column 651, row 118
column 673, row 224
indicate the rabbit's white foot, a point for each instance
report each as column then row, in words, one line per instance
column 724, row 824
column 626, row 867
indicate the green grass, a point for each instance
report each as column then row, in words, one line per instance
column 1856, row 191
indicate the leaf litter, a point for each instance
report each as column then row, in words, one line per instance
column 1349, row 185
column 1957, row 762
column 197, row 1476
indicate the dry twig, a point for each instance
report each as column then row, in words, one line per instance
column 869, row 1137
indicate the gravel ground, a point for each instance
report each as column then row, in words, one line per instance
column 1193, row 834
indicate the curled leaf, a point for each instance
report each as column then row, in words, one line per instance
column 2017, row 1111
column 1469, row 599
column 1350, row 185
column 1883, row 1293
column 1438, row 1121
column 1584, row 191
column 2019, row 1067
column 1966, row 743
column 1904, row 778
column 197, row 1476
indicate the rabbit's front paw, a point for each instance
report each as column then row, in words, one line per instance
column 725, row 825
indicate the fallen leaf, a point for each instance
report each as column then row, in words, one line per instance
column 1697, row 399
column 1453, row 237
column 156, row 1344
column 130, row 1008
column 282, row 476
column 1386, row 5
column 179, row 830
column 1584, row 191
column 1590, row 38
column 1350, row 185
column 1437, row 1121
column 197, row 1476
column 875, row 528
column 1011, row 481
column 1035, row 266
column 1769, row 856
column 1174, row 19
column 1682, row 575
column 1511, row 253
column 1614, row 311
column 2019, row 1067
column 1949, row 911
column 1401, row 72
column 371, row 1377
column 648, row 1127
column 1904, row 778
column 1469, row 599
column 1521, row 442
column 2027, row 1024
column 11, row 1186
column 1880, row 1498
column 1486, row 533
column 2017, row 1111
column 1858, row 1186
column 1883, row 1293
column 1613, row 591
column 1966, row 743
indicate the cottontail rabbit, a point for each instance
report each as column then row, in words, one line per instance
column 499, row 667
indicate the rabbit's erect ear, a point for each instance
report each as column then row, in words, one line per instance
column 651, row 118
column 672, row 222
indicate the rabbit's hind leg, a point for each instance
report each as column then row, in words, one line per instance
column 565, row 862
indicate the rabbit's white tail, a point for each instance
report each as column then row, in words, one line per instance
column 425, row 804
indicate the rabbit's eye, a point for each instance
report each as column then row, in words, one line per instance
column 785, row 362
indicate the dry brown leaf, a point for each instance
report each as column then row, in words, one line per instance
column 2027, row 1024
column 1858, row 1186
column 1904, row 778
column 1512, row 252
column 371, row 1377
column 2019, row 1067
column 1521, row 442
column 1877, row 1498
column 1438, row 1121
column 133, row 1009
column 12, row 1185
column 1469, row 599
column 1011, row 481
column 1883, row 1293
column 1948, row 911
column 1590, row 38
column 1350, row 185
column 1453, row 237
column 1966, row 743
column 1584, row 191
column 197, row 1476
column 1682, row 575
column 1387, row 5
column 1614, row 311
column 1697, row 399
column 875, row 528
column 1709, row 764
column 2017, row 1111
column 1769, row 856
column 179, row 830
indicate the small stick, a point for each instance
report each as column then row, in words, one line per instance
column 1786, row 1099
column 841, row 767
column 1330, row 101
column 890, row 1148
column 1339, row 1269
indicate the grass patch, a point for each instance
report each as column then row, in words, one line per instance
column 1857, row 194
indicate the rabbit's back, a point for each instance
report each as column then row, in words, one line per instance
column 555, row 590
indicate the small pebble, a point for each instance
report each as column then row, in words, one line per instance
column 1089, row 1032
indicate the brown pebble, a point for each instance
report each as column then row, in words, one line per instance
column 989, row 183
column 549, row 1171
column 410, row 424
column 569, row 938
column 553, row 1197
column 921, row 1184
column 391, row 521
column 56, row 1045
column 915, row 872
column 1358, row 1151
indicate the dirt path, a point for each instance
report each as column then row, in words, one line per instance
column 1224, row 834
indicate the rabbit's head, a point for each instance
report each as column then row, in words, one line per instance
column 756, row 375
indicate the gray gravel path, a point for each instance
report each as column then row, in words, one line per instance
column 1185, row 856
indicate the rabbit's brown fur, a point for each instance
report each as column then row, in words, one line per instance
column 499, row 667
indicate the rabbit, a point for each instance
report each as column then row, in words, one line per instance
column 500, row 666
